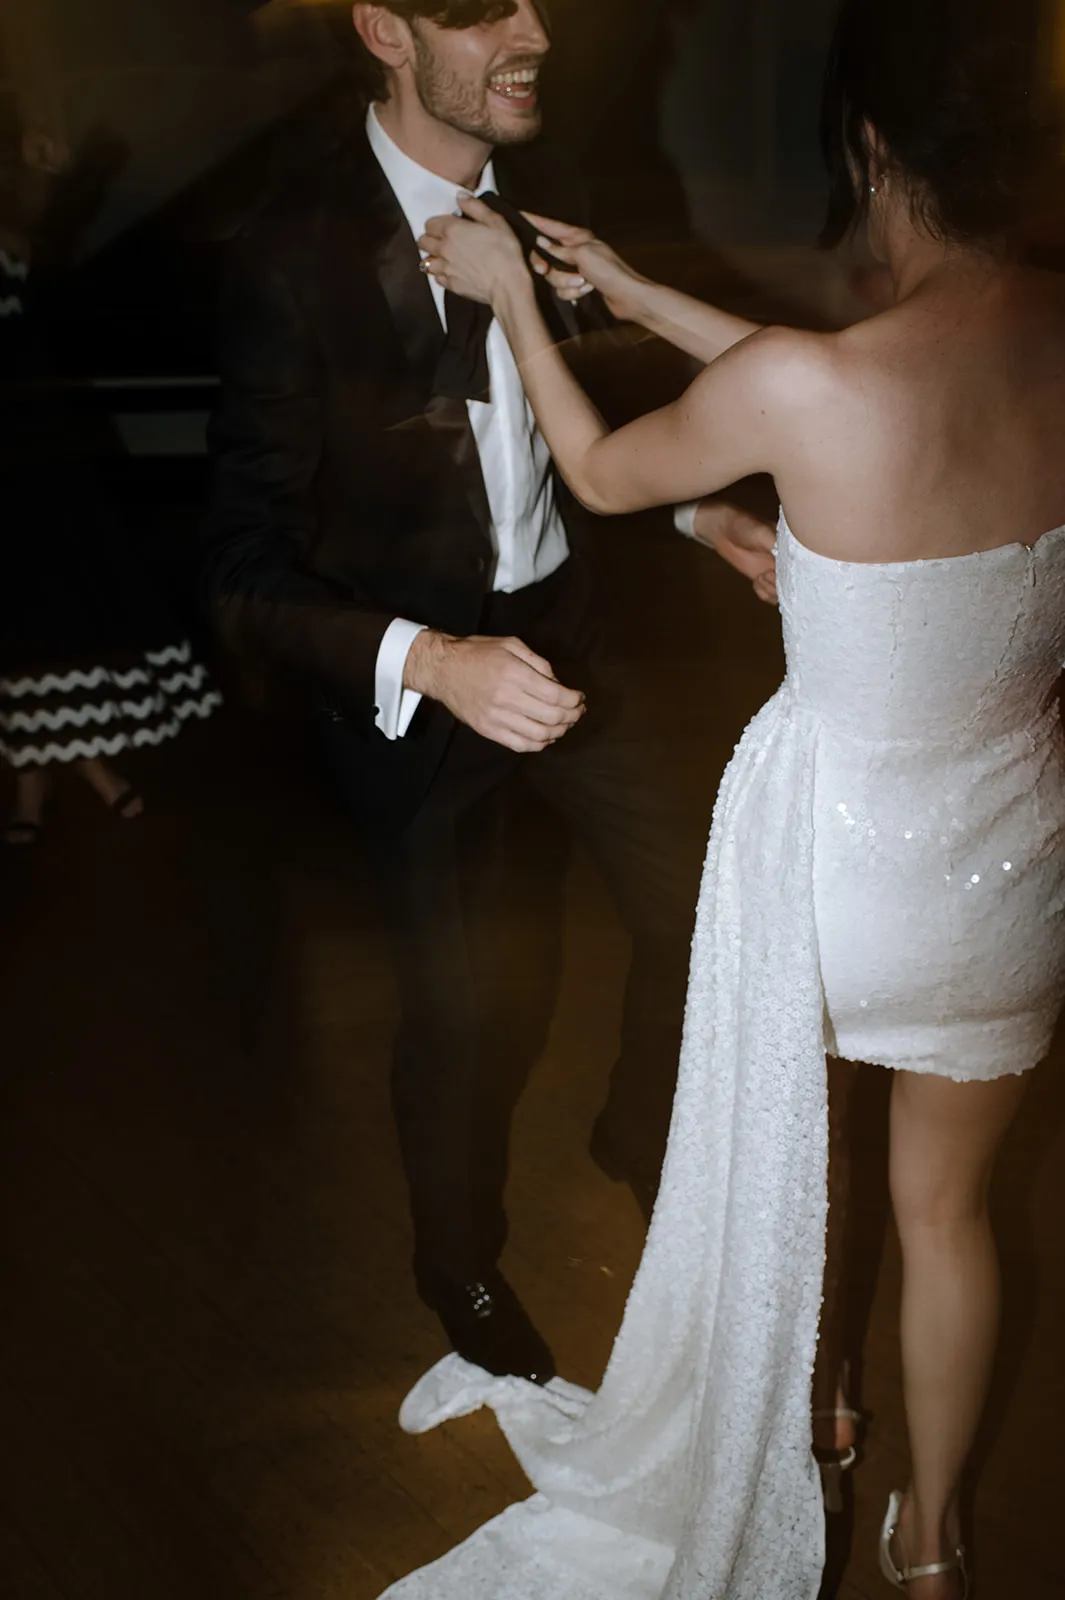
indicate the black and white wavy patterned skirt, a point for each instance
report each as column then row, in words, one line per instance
column 86, row 711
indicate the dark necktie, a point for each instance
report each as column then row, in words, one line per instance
column 462, row 370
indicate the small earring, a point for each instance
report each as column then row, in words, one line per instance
column 872, row 188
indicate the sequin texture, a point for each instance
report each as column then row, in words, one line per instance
column 939, row 880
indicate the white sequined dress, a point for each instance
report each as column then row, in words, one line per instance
column 885, row 877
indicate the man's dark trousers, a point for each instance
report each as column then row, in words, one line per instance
column 607, row 779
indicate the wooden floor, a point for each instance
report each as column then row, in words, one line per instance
column 207, row 1321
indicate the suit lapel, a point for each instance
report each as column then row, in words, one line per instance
column 395, row 261
column 394, row 258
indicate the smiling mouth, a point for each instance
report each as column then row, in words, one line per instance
column 517, row 85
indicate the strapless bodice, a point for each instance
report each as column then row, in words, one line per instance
column 958, row 650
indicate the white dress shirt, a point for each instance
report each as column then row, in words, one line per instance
column 684, row 518
column 528, row 536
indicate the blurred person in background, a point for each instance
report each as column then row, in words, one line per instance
column 387, row 522
column 92, row 663
column 885, row 879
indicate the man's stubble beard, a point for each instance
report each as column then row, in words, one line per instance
column 463, row 106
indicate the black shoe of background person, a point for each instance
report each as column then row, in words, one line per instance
column 488, row 1326
column 620, row 1168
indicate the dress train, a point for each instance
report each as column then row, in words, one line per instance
column 689, row 1474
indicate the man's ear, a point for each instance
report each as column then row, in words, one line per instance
column 385, row 35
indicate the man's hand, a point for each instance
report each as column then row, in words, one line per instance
column 476, row 255
column 498, row 687
column 743, row 540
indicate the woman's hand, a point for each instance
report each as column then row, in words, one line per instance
column 477, row 255
column 595, row 266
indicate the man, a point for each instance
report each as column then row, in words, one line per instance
column 387, row 521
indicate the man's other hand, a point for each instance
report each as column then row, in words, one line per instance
column 743, row 540
column 498, row 687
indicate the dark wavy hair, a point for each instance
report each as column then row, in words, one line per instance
column 445, row 13
column 957, row 94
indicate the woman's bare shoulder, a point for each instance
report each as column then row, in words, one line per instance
column 786, row 364
column 788, row 377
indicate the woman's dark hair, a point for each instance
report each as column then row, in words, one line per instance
column 445, row 13
column 954, row 93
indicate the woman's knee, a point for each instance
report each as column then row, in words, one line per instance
column 945, row 1139
column 932, row 1206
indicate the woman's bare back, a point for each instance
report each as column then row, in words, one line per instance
column 936, row 428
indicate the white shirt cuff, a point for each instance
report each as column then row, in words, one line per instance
column 684, row 518
column 395, row 705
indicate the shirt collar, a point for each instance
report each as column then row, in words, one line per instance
column 421, row 194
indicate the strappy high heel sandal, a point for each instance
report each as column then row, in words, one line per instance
column 899, row 1577
column 833, row 1464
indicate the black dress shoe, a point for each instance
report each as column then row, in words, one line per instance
column 613, row 1164
column 489, row 1326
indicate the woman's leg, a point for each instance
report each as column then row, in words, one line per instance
column 944, row 1139
column 110, row 786
column 31, row 792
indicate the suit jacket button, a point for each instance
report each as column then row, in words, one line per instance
column 478, row 563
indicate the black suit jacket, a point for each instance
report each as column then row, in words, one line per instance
column 344, row 494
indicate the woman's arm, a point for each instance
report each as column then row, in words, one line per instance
column 712, row 436
column 721, row 430
column 700, row 330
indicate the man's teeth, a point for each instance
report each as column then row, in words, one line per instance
column 511, row 81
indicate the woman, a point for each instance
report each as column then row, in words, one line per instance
column 886, row 874
column 91, row 663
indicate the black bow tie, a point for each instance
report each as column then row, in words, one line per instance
column 462, row 370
